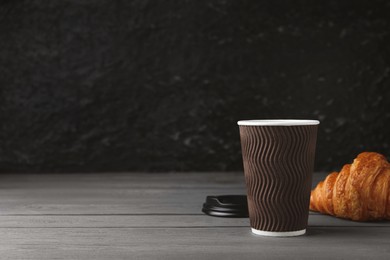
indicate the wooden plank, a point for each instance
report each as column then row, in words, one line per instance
column 115, row 193
column 124, row 180
column 103, row 217
column 143, row 221
column 129, row 202
column 130, row 180
column 132, row 201
column 191, row 243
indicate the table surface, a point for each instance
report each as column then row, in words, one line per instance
column 157, row 216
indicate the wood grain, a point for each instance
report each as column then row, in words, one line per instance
column 157, row 216
column 170, row 193
column 191, row 243
column 157, row 220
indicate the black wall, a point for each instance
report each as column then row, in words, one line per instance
column 159, row 85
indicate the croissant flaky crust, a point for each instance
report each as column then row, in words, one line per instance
column 360, row 191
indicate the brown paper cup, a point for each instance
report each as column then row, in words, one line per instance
column 278, row 158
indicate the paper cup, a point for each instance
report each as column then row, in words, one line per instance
column 278, row 158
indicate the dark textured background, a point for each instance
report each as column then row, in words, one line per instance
column 159, row 85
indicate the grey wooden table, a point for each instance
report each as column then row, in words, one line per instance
column 157, row 216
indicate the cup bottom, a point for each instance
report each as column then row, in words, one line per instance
column 279, row 234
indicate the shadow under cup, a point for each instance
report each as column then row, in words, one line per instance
column 278, row 158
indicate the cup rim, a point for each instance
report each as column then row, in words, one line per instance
column 277, row 122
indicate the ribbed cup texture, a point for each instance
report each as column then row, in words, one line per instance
column 278, row 165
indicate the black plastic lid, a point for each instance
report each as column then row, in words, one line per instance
column 228, row 206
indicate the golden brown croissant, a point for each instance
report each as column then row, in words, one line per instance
column 361, row 191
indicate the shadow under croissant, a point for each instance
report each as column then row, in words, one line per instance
column 347, row 232
column 323, row 220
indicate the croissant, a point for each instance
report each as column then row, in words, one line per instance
column 360, row 191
